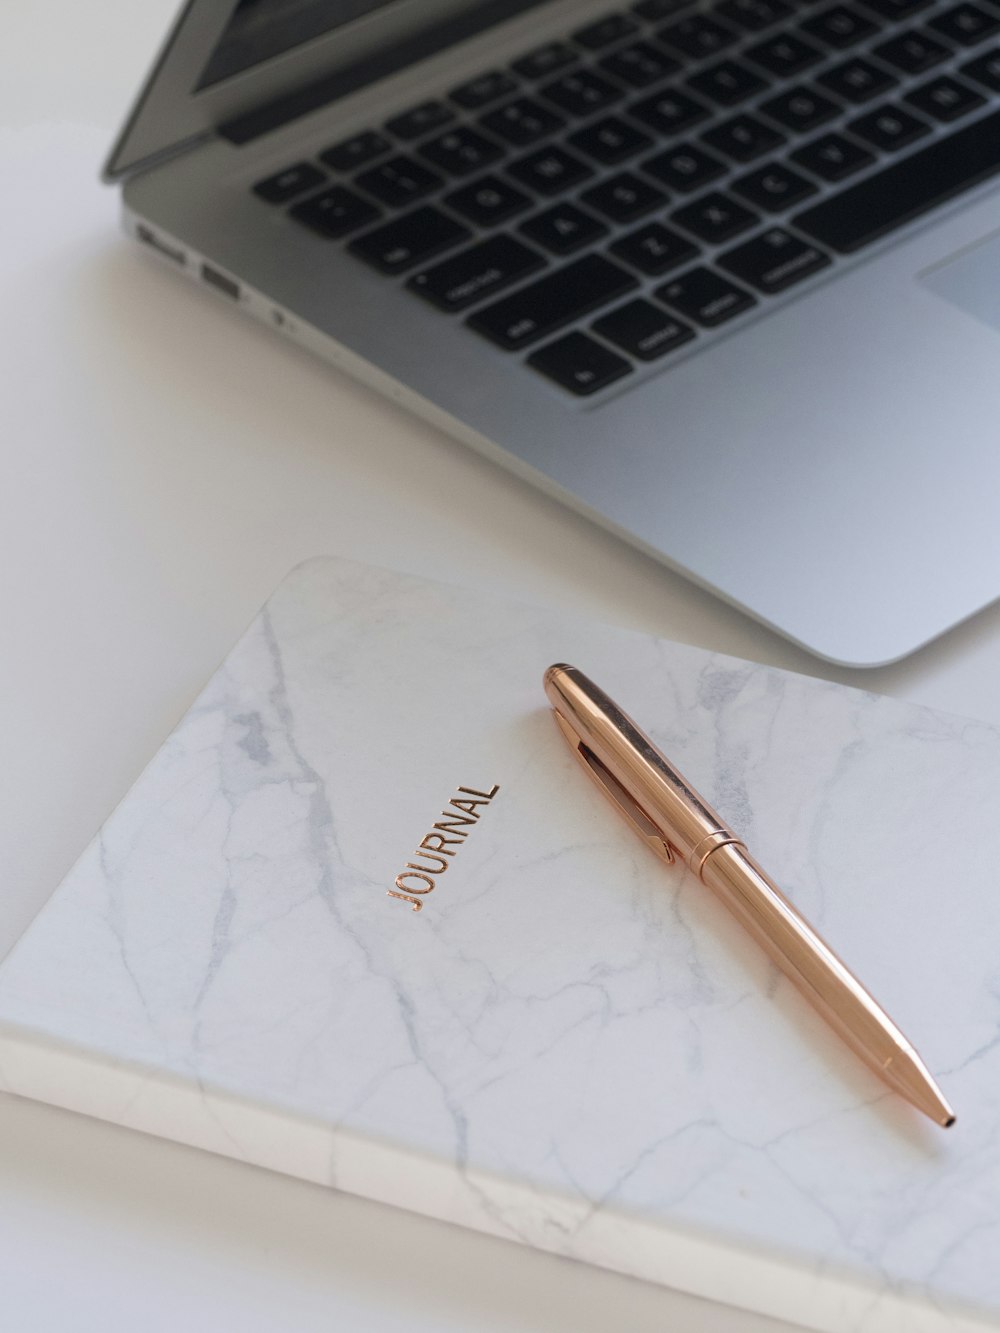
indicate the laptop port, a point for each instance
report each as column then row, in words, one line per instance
column 151, row 239
column 219, row 280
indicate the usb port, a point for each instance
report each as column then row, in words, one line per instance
column 219, row 280
column 151, row 239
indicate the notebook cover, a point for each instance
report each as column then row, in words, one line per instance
column 570, row 1044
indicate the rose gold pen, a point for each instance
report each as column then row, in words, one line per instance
column 674, row 821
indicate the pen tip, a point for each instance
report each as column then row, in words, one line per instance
column 907, row 1073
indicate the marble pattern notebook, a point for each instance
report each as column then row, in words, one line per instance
column 569, row 1044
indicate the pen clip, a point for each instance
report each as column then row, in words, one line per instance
column 628, row 808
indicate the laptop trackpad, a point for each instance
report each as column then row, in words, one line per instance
column 971, row 280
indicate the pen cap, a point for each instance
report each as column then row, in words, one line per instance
column 600, row 727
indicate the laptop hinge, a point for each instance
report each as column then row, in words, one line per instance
column 158, row 158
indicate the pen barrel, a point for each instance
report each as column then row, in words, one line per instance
column 805, row 958
column 666, row 811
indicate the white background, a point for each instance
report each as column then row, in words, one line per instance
column 165, row 462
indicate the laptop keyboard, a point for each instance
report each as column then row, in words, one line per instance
column 608, row 199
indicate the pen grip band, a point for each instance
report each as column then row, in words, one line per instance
column 700, row 853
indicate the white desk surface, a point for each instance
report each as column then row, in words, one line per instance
column 165, row 462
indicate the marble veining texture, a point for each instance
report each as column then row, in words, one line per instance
column 570, row 1045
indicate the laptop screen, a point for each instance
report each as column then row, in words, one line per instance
column 260, row 29
column 245, row 67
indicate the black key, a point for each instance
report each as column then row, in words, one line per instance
column 488, row 201
column 889, row 128
column 743, row 138
column 581, row 92
column 564, row 228
column 483, row 89
column 643, row 330
column 784, row 55
column 398, row 181
column 912, row 52
column 285, row 185
column 550, row 170
column 833, row 157
column 545, row 60
column 839, row 27
column 611, row 140
column 801, row 109
column 705, row 296
column 985, row 70
column 698, row 35
column 897, row 9
column 461, row 151
column 419, row 120
column 605, row 32
column 624, row 197
column 945, row 99
column 670, row 112
column 336, row 212
column 715, row 217
column 654, row 249
column 774, row 260
column 476, row 273
column 552, row 301
column 754, row 14
column 655, row 11
column 727, row 83
column 774, row 187
column 684, row 168
column 579, row 363
column 407, row 241
column 522, row 122
column 966, row 24
column 639, row 65
column 356, row 151
column 906, row 189
column 857, row 80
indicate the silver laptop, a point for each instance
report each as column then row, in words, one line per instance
column 723, row 276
